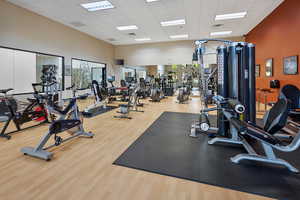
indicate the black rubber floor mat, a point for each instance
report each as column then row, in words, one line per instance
column 166, row 149
column 98, row 111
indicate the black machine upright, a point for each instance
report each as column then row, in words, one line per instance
column 236, row 80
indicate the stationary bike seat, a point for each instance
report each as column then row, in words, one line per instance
column 4, row 91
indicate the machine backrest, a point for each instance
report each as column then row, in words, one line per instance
column 291, row 93
column 276, row 118
column 96, row 90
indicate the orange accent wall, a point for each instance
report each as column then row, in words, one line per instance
column 277, row 36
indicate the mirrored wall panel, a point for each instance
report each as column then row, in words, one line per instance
column 19, row 69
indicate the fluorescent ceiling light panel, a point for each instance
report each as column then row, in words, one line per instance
column 99, row 5
column 221, row 33
column 125, row 28
column 179, row 36
column 231, row 16
column 173, row 22
column 149, row 1
column 142, row 39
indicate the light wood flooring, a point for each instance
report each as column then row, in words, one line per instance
column 82, row 168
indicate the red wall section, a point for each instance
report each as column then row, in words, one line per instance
column 277, row 36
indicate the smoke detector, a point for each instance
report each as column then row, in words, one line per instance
column 217, row 25
column 131, row 34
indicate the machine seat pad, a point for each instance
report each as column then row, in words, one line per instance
column 261, row 135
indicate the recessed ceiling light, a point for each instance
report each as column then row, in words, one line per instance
column 173, row 22
column 99, row 5
column 142, row 39
column 221, row 33
column 179, row 36
column 149, row 1
column 124, row 28
column 231, row 16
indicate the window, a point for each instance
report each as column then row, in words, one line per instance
column 83, row 72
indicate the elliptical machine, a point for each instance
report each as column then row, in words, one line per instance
column 69, row 120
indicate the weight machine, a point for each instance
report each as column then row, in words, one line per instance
column 236, row 80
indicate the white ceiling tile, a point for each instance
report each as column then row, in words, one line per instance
column 199, row 15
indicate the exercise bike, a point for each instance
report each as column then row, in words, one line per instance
column 34, row 111
column 69, row 120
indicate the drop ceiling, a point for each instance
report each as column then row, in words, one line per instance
column 199, row 16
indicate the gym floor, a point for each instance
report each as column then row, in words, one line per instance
column 82, row 168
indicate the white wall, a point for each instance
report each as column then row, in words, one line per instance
column 22, row 29
column 164, row 53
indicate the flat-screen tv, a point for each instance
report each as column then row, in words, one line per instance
column 119, row 62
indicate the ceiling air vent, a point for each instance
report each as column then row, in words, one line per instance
column 77, row 24
column 131, row 34
column 217, row 25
